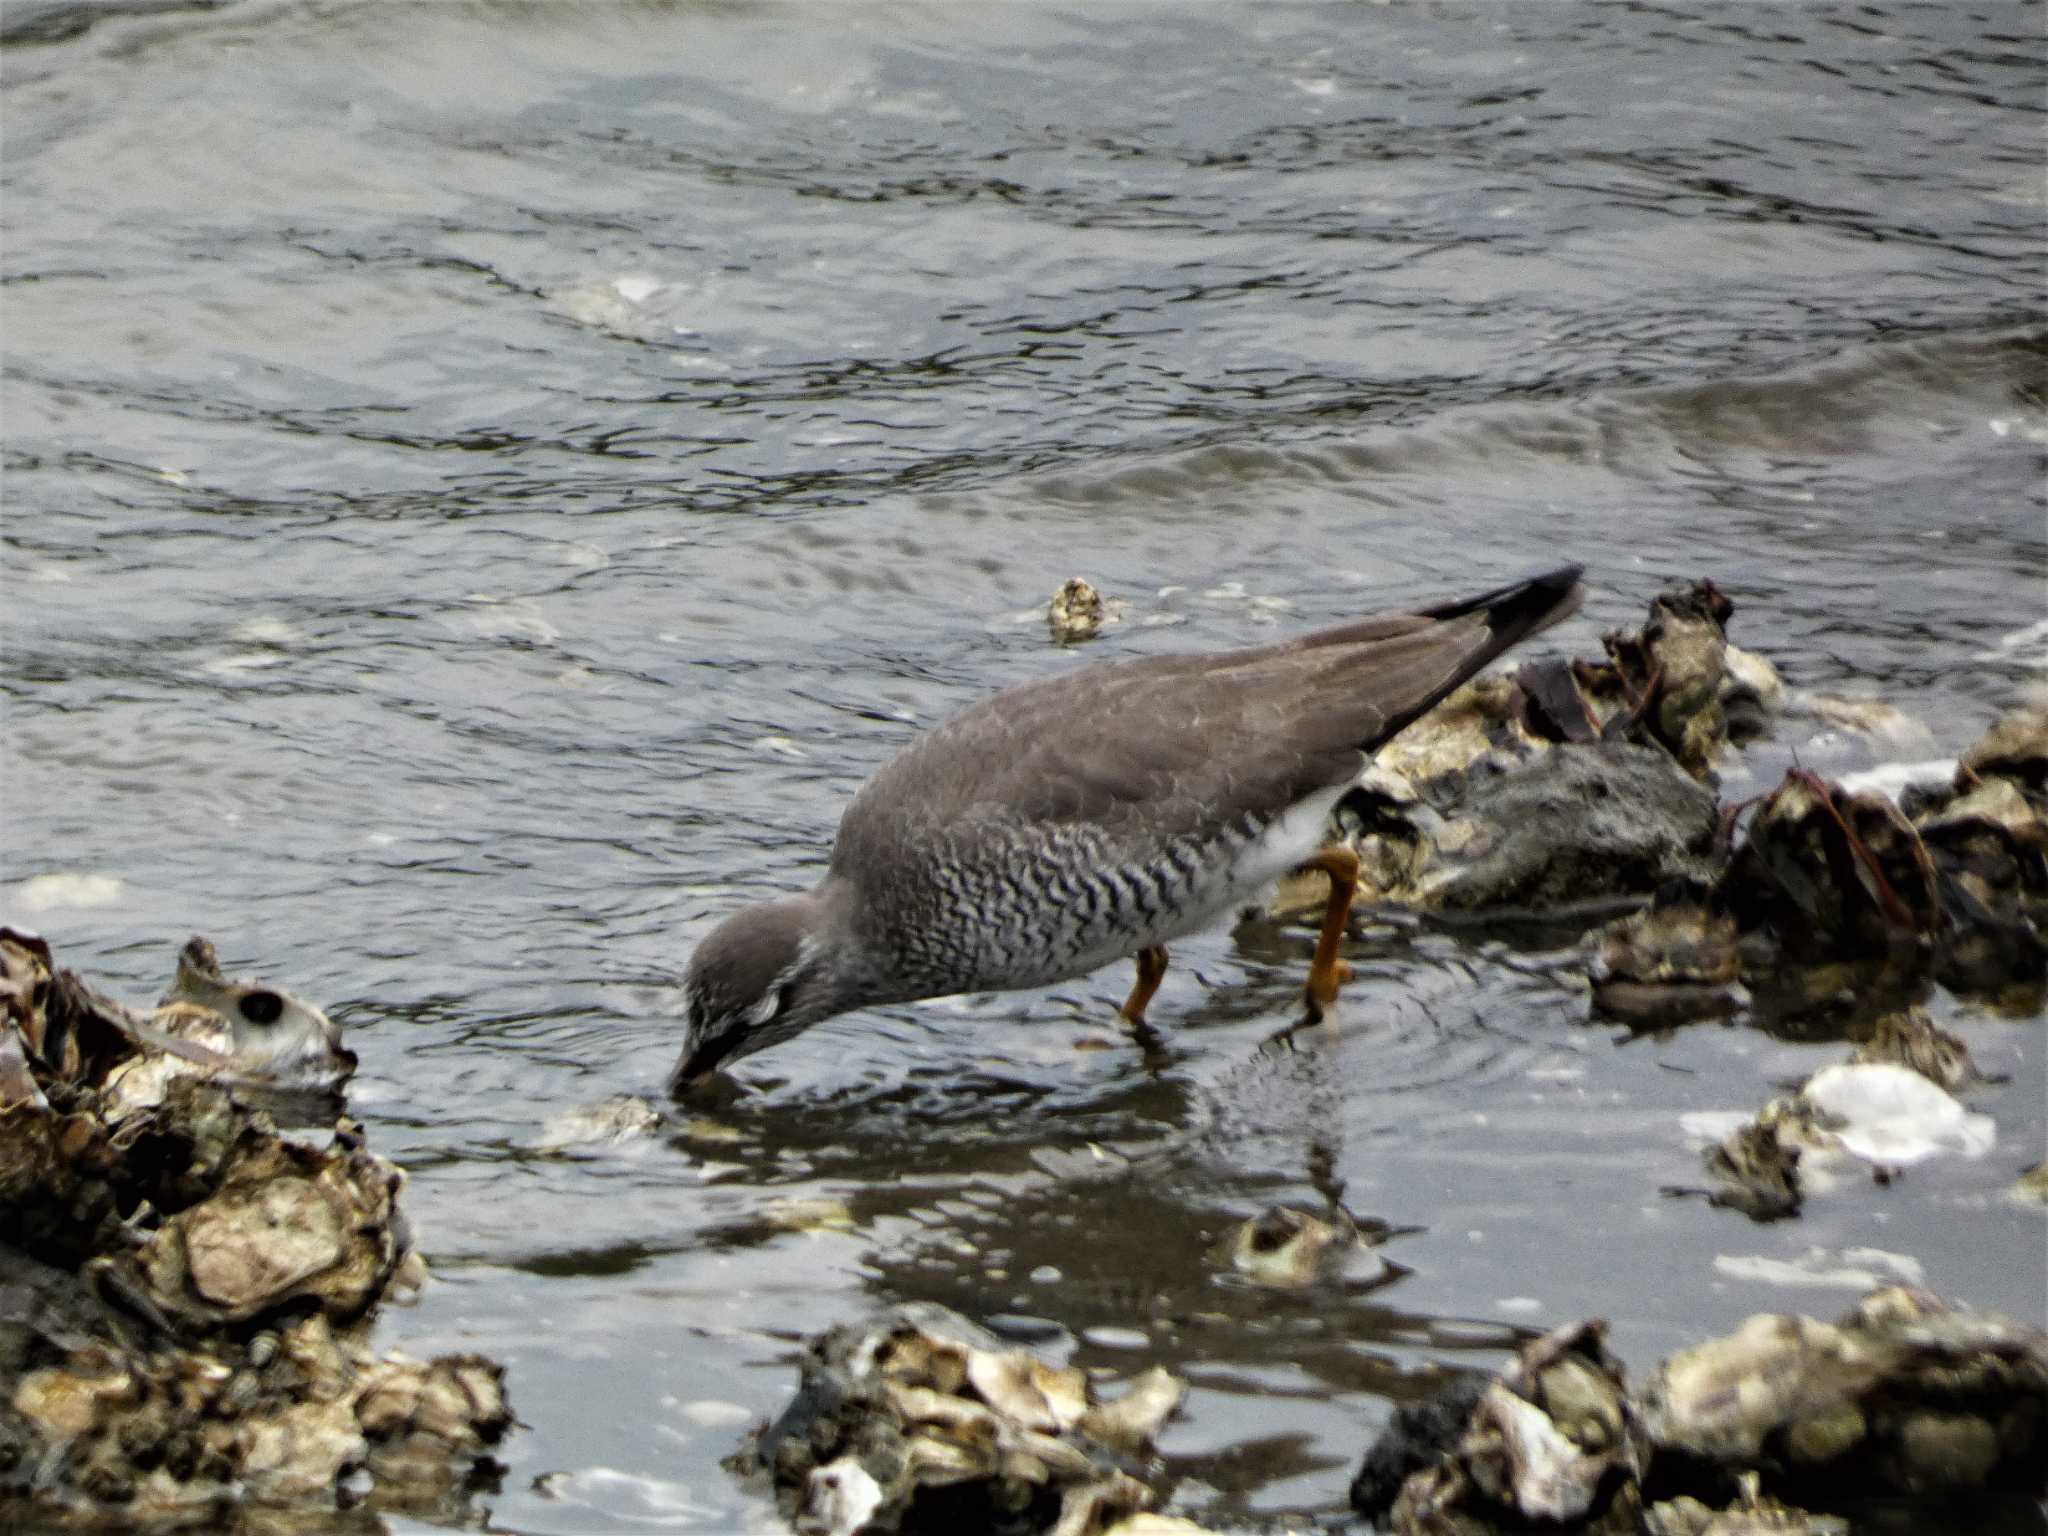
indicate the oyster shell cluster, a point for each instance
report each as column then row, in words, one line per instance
column 921, row 1420
column 187, row 1293
column 1905, row 1395
column 1565, row 783
column 1833, row 892
column 1551, row 1440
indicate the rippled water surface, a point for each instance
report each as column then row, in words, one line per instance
column 484, row 483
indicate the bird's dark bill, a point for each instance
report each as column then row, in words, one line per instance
column 693, row 1069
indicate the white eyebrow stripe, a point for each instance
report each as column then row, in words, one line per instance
column 770, row 1002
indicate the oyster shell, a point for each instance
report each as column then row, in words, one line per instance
column 1075, row 612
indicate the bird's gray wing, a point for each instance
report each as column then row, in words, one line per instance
column 1167, row 747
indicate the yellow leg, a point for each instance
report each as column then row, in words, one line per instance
column 1151, row 971
column 1327, row 973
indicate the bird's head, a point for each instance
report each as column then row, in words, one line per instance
column 763, row 975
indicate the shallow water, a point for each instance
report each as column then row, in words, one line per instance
column 484, row 483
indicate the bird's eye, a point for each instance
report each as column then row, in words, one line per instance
column 784, row 996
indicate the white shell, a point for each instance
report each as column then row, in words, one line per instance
column 1892, row 1116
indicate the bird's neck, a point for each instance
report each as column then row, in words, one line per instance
column 853, row 967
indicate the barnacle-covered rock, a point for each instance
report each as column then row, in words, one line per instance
column 1905, row 1398
column 73, row 1033
column 922, row 1416
column 1579, row 822
column 1550, row 1441
column 1988, row 837
column 1756, row 1165
column 1826, row 876
column 1678, row 684
column 1905, row 1394
column 1574, row 824
column 1558, row 784
column 288, row 1421
column 2031, row 1187
column 1480, row 718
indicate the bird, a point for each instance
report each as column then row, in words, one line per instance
column 1076, row 820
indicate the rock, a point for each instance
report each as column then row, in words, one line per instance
column 1672, row 685
column 1480, row 718
column 1580, row 822
column 1560, row 784
column 207, row 1026
column 1905, row 1397
column 1757, row 1164
column 1567, row 826
column 2031, row 1188
column 1825, row 873
column 1752, row 1514
column 1826, row 876
column 2015, row 748
column 1988, row 838
column 286, row 1227
column 1417, row 1436
column 1752, row 694
column 1869, row 717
